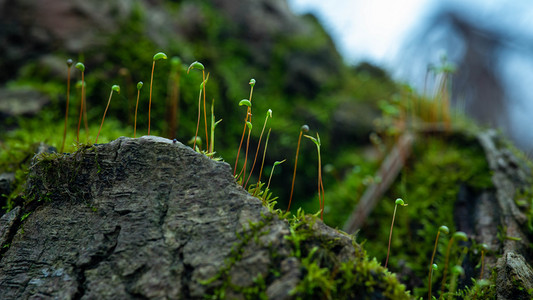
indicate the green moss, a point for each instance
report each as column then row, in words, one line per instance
column 322, row 275
column 430, row 183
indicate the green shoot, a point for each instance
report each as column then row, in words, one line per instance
column 248, row 113
column 213, row 126
column 243, row 170
column 484, row 248
column 81, row 67
column 196, row 141
column 69, row 65
column 199, row 66
column 400, row 202
column 269, row 178
column 303, row 129
column 320, row 183
column 139, row 87
column 248, row 104
column 461, row 236
column 263, row 161
column 456, row 272
column 157, row 56
column 114, row 88
column 444, row 230
column 269, row 114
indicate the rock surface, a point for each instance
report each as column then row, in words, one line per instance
column 501, row 224
column 147, row 218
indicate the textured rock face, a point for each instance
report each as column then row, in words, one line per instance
column 144, row 218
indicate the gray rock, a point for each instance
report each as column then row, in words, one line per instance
column 497, row 214
column 148, row 218
column 6, row 180
column 21, row 102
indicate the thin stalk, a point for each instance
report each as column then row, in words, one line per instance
column 248, row 112
column 139, row 86
column 157, row 56
column 302, row 129
column 82, row 68
column 114, row 88
column 320, row 183
column 198, row 123
column 443, row 229
column 69, row 64
column 243, row 170
column 263, row 161
column 461, row 236
column 390, row 235
column 150, row 101
column 199, row 66
column 484, row 248
column 205, row 114
column 269, row 113
column 270, row 178
column 320, row 186
column 213, row 126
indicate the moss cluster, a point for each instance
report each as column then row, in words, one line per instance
column 321, row 274
column 430, row 183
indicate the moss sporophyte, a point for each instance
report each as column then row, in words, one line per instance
column 114, row 88
column 199, row 66
column 268, row 114
column 443, row 229
column 248, row 114
column 139, row 87
column 400, row 202
column 157, row 56
column 69, row 65
column 80, row 66
column 459, row 236
column 303, row 129
column 320, row 183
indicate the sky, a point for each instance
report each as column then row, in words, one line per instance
column 366, row 30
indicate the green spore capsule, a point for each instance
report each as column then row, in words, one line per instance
column 116, row 88
column 139, row 85
column 160, row 55
column 80, row 66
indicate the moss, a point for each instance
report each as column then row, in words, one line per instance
column 430, row 184
column 323, row 276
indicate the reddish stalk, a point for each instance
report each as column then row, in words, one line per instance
column 248, row 113
column 243, row 170
column 114, row 88
column 263, row 162
column 269, row 113
column 302, row 129
column 139, row 86
column 69, row 64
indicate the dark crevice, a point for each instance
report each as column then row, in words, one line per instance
column 185, row 277
column 107, row 248
column 11, row 231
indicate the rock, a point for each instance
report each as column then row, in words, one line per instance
column 497, row 215
column 149, row 218
column 21, row 102
column 6, row 180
